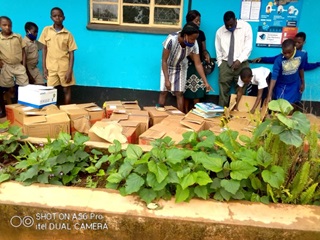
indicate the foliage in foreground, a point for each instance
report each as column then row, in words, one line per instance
column 280, row 163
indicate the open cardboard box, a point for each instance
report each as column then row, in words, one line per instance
column 157, row 116
column 153, row 133
column 193, row 121
column 244, row 107
column 133, row 115
column 131, row 105
column 47, row 122
column 110, row 106
column 82, row 116
column 129, row 131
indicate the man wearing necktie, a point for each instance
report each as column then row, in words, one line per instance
column 233, row 43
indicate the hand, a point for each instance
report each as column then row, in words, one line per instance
column 31, row 80
column 68, row 76
column 252, row 111
column 208, row 87
column 302, row 88
column 268, row 99
column 256, row 60
column 45, row 73
column 168, row 85
column 236, row 64
column 206, row 57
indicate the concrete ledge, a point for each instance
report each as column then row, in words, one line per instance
column 52, row 212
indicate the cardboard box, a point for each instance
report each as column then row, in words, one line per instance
column 131, row 105
column 38, row 123
column 110, row 106
column 140, row 116
column 130, row 132
column 244, row 107
column 51, row 126
column 193, row 122
column 314, row 121
column 242, row 126
column 37, row 96
column 132, row 115
column 79, row 118
column 150, row 135
column 215, row 125
column 176, row 134
column 96, row 113
column 155, row 115
column 171, row 110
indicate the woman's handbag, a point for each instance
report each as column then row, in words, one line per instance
column 209, row 66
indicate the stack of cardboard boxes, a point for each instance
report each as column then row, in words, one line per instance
column 38, row 116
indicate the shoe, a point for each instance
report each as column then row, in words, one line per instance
column 160, row 108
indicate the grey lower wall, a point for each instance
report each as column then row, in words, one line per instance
column 53, row 212
column 83, row 94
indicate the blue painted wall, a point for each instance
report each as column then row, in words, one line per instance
column 132, row 60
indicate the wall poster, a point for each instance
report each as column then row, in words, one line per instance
column 250, row 10
column 278, row 22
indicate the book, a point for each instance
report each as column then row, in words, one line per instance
column 208, row 107
column 203, row 114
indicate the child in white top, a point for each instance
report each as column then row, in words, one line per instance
column 256, row 81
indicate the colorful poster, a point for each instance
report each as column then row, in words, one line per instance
column 278, row 22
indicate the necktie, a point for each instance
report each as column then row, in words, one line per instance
column 249, row 88
column 231, row 50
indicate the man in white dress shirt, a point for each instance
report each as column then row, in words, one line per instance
column 230, row 66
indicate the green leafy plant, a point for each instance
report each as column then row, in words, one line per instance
column 57, row 162
column 279, row 163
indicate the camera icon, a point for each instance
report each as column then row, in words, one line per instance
column 26, row 221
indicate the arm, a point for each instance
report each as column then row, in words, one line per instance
column 218, row 48
column 205, row 52
column 31, row 79
column 199, row 68
column 310, row 66
column 24, row 57
column 164, row 64
column 271, row 87
column 265, row 59
column 257, row 102
column 238, row 98
column 70, row 69
column 44, row 63
column 301, row 73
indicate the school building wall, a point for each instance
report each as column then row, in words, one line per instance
column 121, row 65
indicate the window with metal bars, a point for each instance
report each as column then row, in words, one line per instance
column 141, row 14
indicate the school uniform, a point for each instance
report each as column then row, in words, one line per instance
column 260, row 80
column 12, row 71
column 286, row 73
column 177, row 63
column 32, row 54
column 59, row 44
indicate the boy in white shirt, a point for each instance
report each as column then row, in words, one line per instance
column 256, row 80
